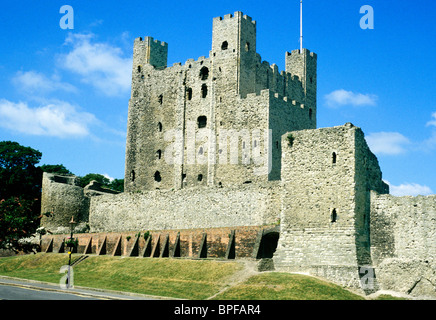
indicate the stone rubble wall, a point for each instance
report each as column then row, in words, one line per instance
column 190, row 208
column 403, row 243
column 314, row 188
column 61, row 199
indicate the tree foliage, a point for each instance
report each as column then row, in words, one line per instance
column 19, row 175
column 115, row 184
column 56, row 168
column 19, row 219
column 20, row 194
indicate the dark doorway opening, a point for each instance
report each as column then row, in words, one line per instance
column 268, row 245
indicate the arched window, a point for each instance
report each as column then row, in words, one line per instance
column 202, row 122
column 157, row 176
column 224, row 45
column 247, row 46
column 204, row 73
column 204, row 91
column 159, row 127
column 139, row 68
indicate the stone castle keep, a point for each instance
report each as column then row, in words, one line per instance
column 224, row 160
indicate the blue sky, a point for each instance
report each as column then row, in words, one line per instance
column 65, row 92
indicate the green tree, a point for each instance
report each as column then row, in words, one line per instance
column 18, row 220
column 56, row 168
column 19, row 175
column 117, row 185
column 85, row 180
column 20, row 194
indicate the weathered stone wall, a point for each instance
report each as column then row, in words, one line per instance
column 304, row 66
column 62, row 198
column 318, row 206
column 403, row 243
column 324, row 218
column 191, row 208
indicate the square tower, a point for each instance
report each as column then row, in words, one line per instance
column 304, row 66
column 234, row 52
column 150, row 51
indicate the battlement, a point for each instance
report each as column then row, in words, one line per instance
column 152, row 40
column 305, row 51
column 237, row 14
column 150, row 51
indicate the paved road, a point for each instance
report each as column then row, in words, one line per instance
column 17, row 289
column 8, row 292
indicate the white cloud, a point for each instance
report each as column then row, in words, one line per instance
column 409, row 189
column 99, row 64
column 57, row 119
column 432, row 122
column 342, row 97
column 35, row 82
column 108, row 177
column 388, row 143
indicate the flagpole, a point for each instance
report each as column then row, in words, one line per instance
column 301, row 26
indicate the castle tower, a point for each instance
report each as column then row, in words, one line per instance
column 327, row 175
column 304, row 65
column 150, row 51
column 214, row 121
column 234, row 52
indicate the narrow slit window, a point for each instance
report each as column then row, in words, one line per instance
column 159, row 154
column 159, row 126
column 200, row 177
column 334, row 216
column 204, row 91
column 334, row 158
column 310, row 114
column 160, row 98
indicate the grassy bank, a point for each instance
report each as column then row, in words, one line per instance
column 176, row 278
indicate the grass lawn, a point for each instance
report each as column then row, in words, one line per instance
column 175, row 278
column 285, row 286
